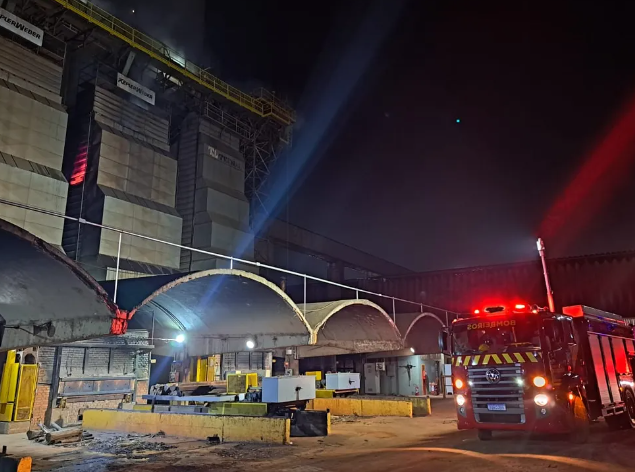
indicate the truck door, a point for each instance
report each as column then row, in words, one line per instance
column 604, row 367
column 559, row 337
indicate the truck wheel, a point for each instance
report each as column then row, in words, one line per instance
column 629, row 400
column 579, row 422
column 485, row 434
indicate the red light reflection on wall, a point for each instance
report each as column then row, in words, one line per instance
column 79, row 166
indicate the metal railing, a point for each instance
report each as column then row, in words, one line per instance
column 265, row 105
column 232, row 261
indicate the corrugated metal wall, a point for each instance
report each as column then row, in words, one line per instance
column 601, row 281
column 130, row 119
column 30, row 71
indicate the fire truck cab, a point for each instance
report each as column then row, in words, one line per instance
column 525, row 368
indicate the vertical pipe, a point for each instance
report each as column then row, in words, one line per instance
column 541, row 251
column 447, row 319
column 304, row 295
column 117, row 270
column 394, row 312
column 356, row 294
column 231, row 263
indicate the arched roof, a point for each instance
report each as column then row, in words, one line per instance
column 219, row 310
column 39, row 284
column 407, row 321
column 421, row 331
column 350, row 326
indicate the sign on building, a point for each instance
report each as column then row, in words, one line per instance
column 135, row 88
column 20, row 27
column 230, row 161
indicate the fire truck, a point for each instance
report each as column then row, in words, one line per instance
column 529, row 369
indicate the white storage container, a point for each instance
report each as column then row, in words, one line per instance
column 342, row 381
column 288, row 389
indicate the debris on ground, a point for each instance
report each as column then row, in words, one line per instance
column 248, row 451
column 130, row 444
column 344, row 419
column 56, row 435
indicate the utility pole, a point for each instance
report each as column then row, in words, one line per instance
column 541, row 250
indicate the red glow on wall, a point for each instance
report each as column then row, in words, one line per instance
column 119, row 324
column 604, row 170
column 79, row 166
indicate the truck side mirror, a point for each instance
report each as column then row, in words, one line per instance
column 444, row 344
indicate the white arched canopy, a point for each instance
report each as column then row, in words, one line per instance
column 420, row 331
column 218, row 310
column 350, row 326
column 47, row 298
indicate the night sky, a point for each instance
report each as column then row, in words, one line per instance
column 543, row 91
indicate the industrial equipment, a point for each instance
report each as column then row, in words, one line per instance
column 288, row 389
column 372, row 378
column 343, row 381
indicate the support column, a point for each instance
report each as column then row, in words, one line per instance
column 335, row 273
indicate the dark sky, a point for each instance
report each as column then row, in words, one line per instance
column 542, row 91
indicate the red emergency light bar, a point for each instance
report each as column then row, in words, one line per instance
column 517, row 308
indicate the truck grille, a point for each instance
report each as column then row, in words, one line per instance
column 487, row 397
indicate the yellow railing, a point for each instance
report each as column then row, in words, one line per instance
column 265, row 105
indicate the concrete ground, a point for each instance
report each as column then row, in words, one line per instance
column 365, row 444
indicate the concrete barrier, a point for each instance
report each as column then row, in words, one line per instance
column 420, row 406
column 362, row 407
column 196, row 426
column 323, row 393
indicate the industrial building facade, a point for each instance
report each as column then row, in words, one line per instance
column 33, row 125
column 100, row 373
column 80, row 138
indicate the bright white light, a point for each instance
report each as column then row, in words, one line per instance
column 180, row 338
column 541, row 399
column 540, row 245
column 412, row 349
column 251, row 344
column 460, row 400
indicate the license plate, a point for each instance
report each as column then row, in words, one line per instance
column 496, row 407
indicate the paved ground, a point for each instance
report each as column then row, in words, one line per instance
column 366, row 444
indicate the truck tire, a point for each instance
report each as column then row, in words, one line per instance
column 485, row 434
column 629, row 400
column 579, row 422
column 624, row 420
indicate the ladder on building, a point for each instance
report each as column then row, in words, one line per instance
column 264, row 104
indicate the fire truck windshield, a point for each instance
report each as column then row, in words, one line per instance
column 495, row 334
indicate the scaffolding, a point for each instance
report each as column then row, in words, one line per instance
column 263, row 104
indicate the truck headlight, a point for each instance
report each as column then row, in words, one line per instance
column 460, row 400
column 541, row 399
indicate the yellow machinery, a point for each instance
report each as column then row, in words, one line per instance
column 17, row 389
column 203, row 369
column 318, row 378
column 316, row 373
column 240, row 383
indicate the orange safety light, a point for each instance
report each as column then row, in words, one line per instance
column 520, row 306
